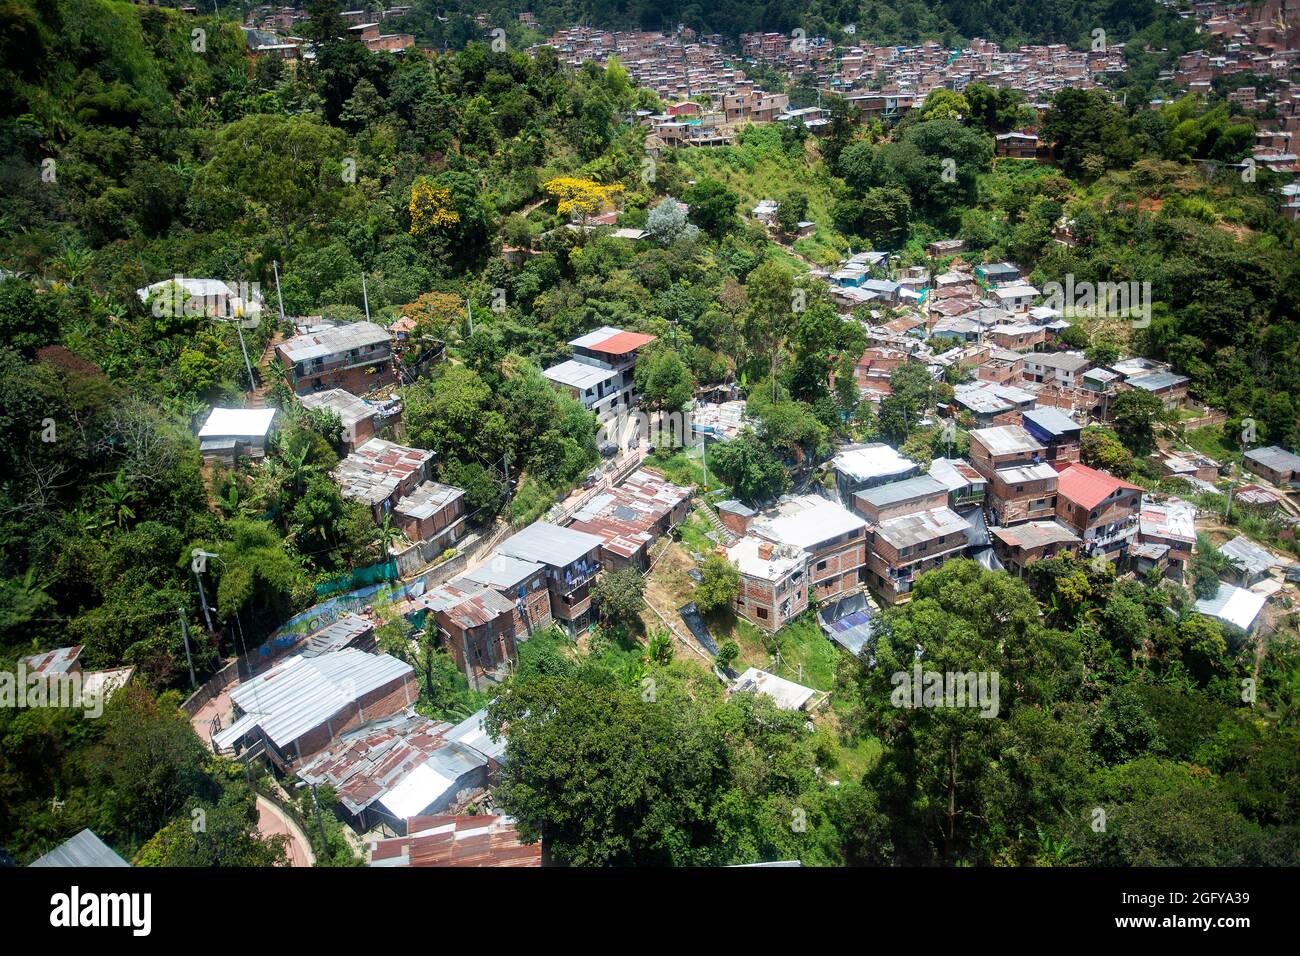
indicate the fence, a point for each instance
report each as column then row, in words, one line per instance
column 375, row 573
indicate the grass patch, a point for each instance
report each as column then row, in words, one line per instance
column 806, row 656
column 683, row 466
column 1209, row 441
column 694, row 533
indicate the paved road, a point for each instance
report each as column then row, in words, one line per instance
column 272, row 821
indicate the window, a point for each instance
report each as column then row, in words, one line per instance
column 762, row 613
column 821, row 565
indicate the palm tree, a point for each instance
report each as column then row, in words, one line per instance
column 117, row 496
column 388, row 535
column 74, row 262
column 660, row 647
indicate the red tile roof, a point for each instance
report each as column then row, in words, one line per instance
column 1088, row 487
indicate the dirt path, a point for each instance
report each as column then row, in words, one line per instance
column 272, row 821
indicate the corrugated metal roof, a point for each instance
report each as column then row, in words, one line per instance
column 1235, row 605
column 85, row 849
column 406, row 763
column 922, row 486
column 302, row 693
column 332, row 341
column 237, row 422
column 579, row 375
column 61, row 660
column 956, row 473
column 503, row 571
column 468, row 840
column 1007, row 440
column 1034, row 534
column 1051, row 421
column 872, row 461
column 471, row 733
column 907, row 531
column 786, row 694
column 806, row 521
column 549, row 544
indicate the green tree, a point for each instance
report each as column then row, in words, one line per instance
column 619, row 596
column 719, row 584
column 753, row 472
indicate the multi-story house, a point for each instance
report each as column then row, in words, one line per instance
column 1022, row 486
column 356, row 357
column 1102, row 510
column 601, row 372
column 773, row 581
column 910, row 530
column 1020, row 546
column 572, row 561
column 1058, row 432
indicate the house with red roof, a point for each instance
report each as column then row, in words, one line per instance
column 1101, row 509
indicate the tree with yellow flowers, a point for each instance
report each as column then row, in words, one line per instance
column 430, row 207
column 582, row 196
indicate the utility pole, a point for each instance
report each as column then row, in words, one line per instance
column 278, row 297
column 365, row 299
column 469, row 311
column 185, row 636
column 203, row 599
column 239, row 328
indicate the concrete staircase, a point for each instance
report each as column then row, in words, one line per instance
column 727, row 536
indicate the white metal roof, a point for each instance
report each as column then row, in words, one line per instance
column 1007, row 440
column 1235, row 605
column 301, row 693
column 872, row 461
column 806, row 521
column 579, row 375
column 786, row 694
column 238, row 423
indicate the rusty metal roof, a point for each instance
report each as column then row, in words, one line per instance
column 467, row 840
column 626, row 515
column 370, row 763
column 61, row 660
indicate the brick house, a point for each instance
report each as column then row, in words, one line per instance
column 478, row 626
column 631, row 516
column 303, row 704
column 1058, row 432
column 1169, row 527
column 356, row 416
column 1102, row 510
column 1022, row 545
column 524, row 583
column 833, row 538
column 355, row 357
column 1022, row 486
column 1274, row 464
column 433, row 513
column 773, row 582
column 572, row 561
column 910, row 530
column 380, row 473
